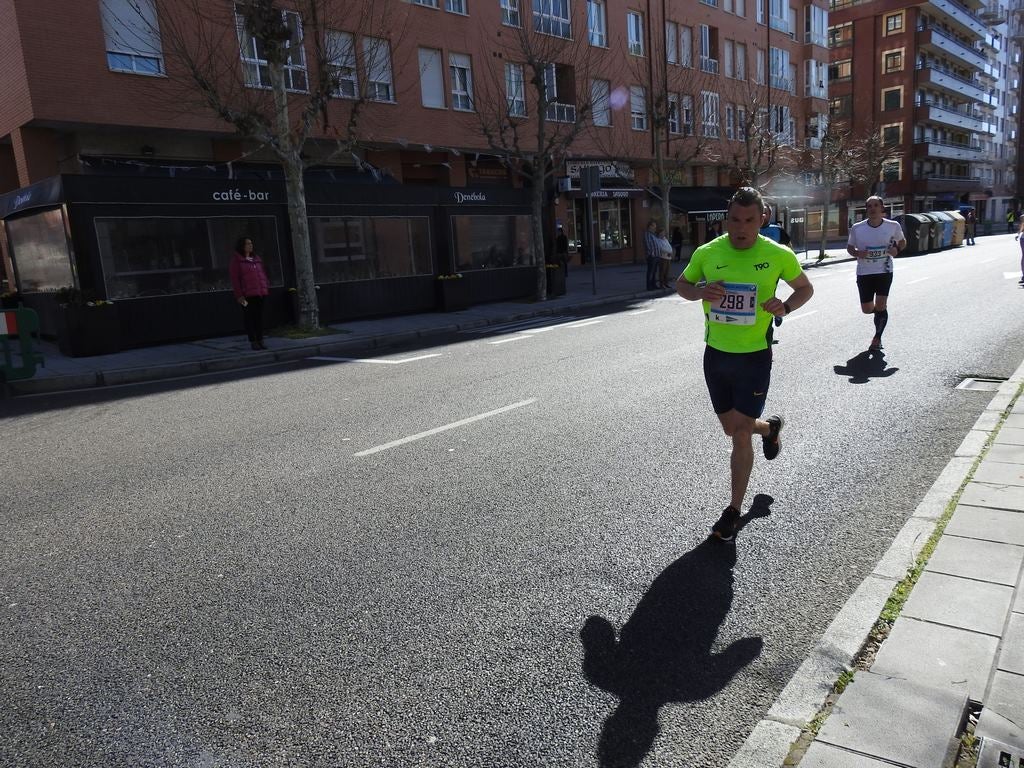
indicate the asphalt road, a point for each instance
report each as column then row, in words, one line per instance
column 491, row 554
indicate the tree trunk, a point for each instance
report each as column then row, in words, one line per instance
column 537, row 211
column 291, row 160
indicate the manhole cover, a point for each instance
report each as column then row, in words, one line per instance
column 981, row 383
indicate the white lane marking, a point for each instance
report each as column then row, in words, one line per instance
column 640, row 312
column 801, row 316
column 516, row 325
column 588, row 322
column 505, row 341
column 369, row 360
column 1010, row 275
column 989, row 261
column 445, row 428
column 920, row 280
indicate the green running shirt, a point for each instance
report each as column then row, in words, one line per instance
column 741, row 325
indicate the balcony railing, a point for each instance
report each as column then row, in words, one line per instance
column 707, row 64
column 954, row 47
column 561, row 113
column 961, row 15
column 942, row 78
column 782, row 83
column 960, row 118
column 816, row 38
column 816, row 91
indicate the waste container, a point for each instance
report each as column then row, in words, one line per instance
column 959, row 227
column 947, row 227
column 938, row 238
column 917, row 229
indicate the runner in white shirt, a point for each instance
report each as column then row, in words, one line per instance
column 874, row 242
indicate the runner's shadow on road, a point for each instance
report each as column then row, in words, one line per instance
column 865, row 366
column 664, row 652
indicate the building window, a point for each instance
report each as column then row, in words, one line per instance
column 727, row 59
column 686, row 46
column 39, row 248
column 673, row 113
column 709, row 49
column 709, row 114
column 560, row 88
column 741, row 61
column 840, row 34
column 597, row 23
column 600, row 95
column 515, row 90
column 551, row 17
column 638, row 107
column 132, row 36
column 461, row 72
column 341, row 64
column 686, row 107
column 780, row 69
column 635, row 30
column 426, row 3
column 892, row 98
column 892, row 135
column 510, row 13
column 377, row 56
column 456, row 6
column 730, row 121
column 892, row 170
column 254, row 60
column 894, row 23
column 892, row 61
column 816, row 26
column 840, row 70
column 491, row 242
column 431, row 78
column 741, row 123
column 671, row 42
column 349, row 248
column 759, row 66
column 613, row 222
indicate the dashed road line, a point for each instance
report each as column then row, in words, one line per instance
column 371, row 360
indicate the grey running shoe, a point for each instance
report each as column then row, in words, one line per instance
column 771, row 442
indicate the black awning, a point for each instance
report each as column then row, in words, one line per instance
column 686, row 199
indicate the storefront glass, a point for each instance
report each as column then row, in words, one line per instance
column 613, row 224
column 39, row 248
column 164, row 256
column 492, row 242
column 348, row 248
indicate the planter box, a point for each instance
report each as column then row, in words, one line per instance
column 84, row 331
column 556, row 281
column 452, row 295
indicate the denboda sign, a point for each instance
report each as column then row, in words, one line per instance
column 470, row 197
column 240, row 196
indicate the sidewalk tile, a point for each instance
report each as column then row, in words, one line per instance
column 1011, row 655
column 822, row 755
column 975, row 559
column 1004, row 698
column 993, row 725
column 999, row 473
column 993, row 495
column 957, row 602
column 941, row 657
column 987, row 524
column 1010, row 436
column 1009, row 454
column 1015, row 420
column 896, row 720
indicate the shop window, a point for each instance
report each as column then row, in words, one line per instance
column 491, row 242
column 39, row 249
column 164, row 256
column 349, row 248
column 614, row 224
column 132, row 35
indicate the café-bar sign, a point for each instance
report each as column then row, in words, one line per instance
column 237, row 195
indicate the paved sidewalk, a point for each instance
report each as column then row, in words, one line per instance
column 614, row 283
column 958, row 641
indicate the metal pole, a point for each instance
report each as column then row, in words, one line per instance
column 591, row 238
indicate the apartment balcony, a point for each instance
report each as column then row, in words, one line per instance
column 959, row 15
column 783, row 84
column 941, row 150
column 938, row 42
column 925, row 112
column 959, row 184
column 950, row 83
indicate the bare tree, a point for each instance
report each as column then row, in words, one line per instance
column 531, row 111
column 285, row 77
column 875, row 152
column 830, row 165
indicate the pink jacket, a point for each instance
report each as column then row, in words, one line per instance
column 248, row 278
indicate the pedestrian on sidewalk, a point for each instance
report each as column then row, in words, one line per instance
column 874, row 242
column 971, row 226
column 251, row 286
column 664, row 259
column 736, row 278
column 562, row 250
column 651, row 254
column 1020, row 239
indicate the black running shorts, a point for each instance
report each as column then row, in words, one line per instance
column 871, row 285
column 738, row 380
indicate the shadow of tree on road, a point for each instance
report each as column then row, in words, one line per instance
column 663, row 652
column 865, row 366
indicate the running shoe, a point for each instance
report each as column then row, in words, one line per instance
column 770, row 442
column 728, row 524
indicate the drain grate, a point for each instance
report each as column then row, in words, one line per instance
column 981, row 383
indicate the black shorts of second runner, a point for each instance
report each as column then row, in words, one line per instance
column 869, row 286
column 738, row 380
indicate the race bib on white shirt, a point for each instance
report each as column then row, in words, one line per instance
column 737, row 307
column 878, row 254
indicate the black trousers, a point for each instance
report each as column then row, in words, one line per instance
column 252, row 317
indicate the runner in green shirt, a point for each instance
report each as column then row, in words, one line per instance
column 736, row 276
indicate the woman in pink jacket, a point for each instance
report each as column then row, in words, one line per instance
column 251, row 286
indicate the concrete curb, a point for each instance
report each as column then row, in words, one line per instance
column 799, row 702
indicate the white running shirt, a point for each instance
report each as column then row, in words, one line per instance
column 876, row 240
